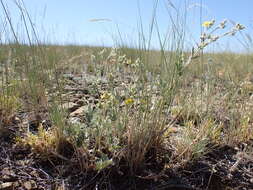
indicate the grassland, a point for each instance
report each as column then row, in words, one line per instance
column 79, row 117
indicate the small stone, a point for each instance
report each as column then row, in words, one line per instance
column 79, row 96
column 16, row 120
column 75, row 120
column 70, row 106
column 6, row 186
column 78, row 112
column 28, row 185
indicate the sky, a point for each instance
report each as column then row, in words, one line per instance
column 105, row 22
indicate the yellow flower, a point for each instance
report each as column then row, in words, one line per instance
column 208, row 24
column 129, row 62
column 105, row 96
column 129, row 101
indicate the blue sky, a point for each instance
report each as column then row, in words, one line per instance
column 65, row 21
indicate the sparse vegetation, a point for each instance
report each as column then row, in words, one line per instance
column 95, row 114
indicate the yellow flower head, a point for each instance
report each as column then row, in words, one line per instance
column 129, row 101
column 105, row 96
column 129, row 62
column 208, row 24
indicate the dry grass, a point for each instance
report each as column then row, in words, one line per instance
column 154, row 108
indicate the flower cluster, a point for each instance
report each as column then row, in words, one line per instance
column 129, row 101
column 208, row 24
column 210, row 37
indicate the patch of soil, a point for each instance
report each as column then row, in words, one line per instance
column 213, row 171
column 20, row 169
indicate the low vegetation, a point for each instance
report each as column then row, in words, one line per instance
column 125, row 118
